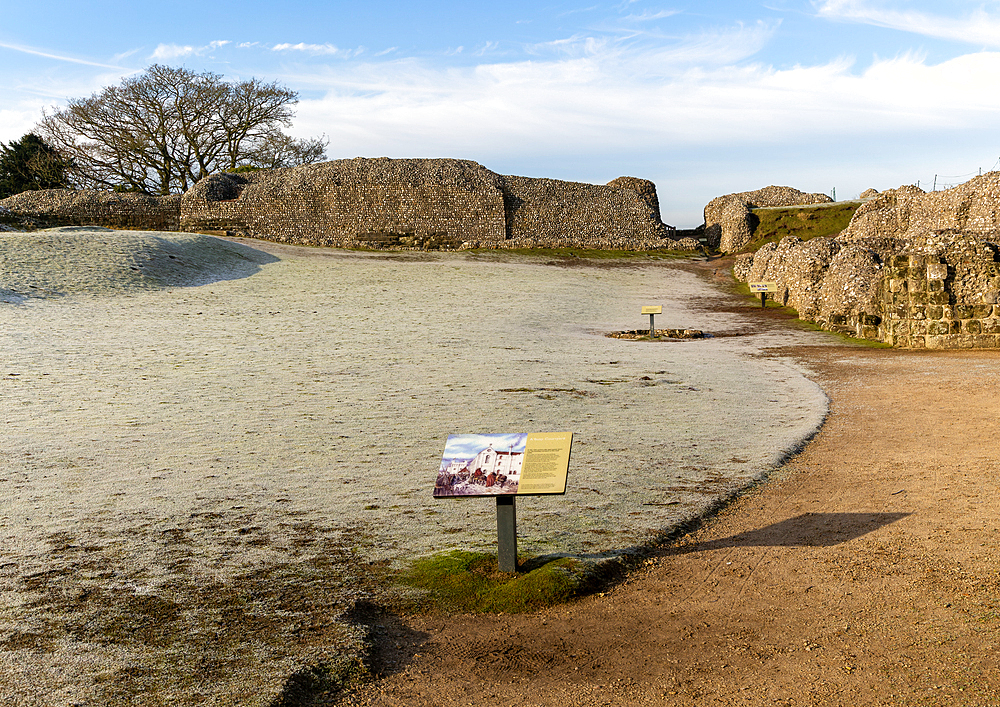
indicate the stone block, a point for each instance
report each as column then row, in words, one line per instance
column 935, row 342
column 937, row 271
column 947, row 312
column 918, row 298
column 917, row 342
column 985, row 341
column 934, row 311
column 935, row 285
column 938, row 328
column 938, row 298
column 872, row 333
column 981, row 311
column 965, row 311
column 965, row 341
column 916, row 284
column 972, row 326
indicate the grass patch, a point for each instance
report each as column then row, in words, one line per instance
column 593, row 253
column 804, row 222
column 461, row 581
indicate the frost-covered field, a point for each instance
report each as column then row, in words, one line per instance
column 158, row 441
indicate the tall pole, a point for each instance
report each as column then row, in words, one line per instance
column 652, row 330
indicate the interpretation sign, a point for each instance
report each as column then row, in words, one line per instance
column 652, row 310
column 763, row 286
column 519, row 464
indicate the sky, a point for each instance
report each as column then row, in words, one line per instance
column 703, row 98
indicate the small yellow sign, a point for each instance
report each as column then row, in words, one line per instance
column 763, row 286
column 652, row 310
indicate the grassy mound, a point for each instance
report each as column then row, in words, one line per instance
column 461, row 581
column 803, row 222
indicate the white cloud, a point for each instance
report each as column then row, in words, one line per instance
column 167, row 52
column 979, row 27
column 602, row 99
column 317, row 49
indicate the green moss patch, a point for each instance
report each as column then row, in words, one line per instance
column 803, row 222
column 461, row 581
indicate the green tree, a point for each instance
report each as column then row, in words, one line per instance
column 30, row 164
column 163, row 130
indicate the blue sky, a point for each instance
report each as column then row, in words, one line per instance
column 703, row 98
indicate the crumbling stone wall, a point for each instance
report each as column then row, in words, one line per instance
column 67, row 207
column 384, row 203
column 912, row 269
column 729, row 219
column 551, row 212
column 354, row 202
column 425, row 203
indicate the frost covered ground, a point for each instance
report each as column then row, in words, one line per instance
column 158, row 440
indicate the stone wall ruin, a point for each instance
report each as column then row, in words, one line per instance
column 729, row 221
column 912, row 269
column 383, row 203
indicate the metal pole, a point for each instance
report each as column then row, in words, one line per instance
column 506, row 534
column 652, row 329
column 763, row 295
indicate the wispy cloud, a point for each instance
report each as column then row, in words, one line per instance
column 168, row 52
column 52, row 55
column 978, row 27
column 648, row 16
column 321, row 50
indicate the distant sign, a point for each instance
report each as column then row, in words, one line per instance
column 652, row 310
column 519, row 464
column 763, row 286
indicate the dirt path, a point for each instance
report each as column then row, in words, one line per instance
column 865, row 573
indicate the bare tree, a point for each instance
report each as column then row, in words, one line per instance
column 162, row 131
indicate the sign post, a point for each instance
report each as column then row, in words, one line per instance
column 505, row 466
column 763, row 288
column 651, row 311
column 506, row 534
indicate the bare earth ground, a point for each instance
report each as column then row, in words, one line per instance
column 864, row 573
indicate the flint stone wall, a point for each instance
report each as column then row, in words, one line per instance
column 729, row 220
column 383, row 203
column 425, row 203
column 67, row 207
column 912, row 269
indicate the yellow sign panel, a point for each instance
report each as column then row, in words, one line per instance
column 763, row 286
column 652, row 310
column 546, row 463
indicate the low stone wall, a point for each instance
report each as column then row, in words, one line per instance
column 912, row 269
column 729, row 220
column 67, row 207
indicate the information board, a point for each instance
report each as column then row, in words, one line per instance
column 519, row 464
column 763, row 286
column 652, row 310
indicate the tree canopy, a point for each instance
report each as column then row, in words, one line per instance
column 30, row 164
column 163, row 130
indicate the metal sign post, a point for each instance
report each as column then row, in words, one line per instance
column 506, row 534
column 651, row 310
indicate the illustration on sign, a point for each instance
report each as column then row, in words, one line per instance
column 504, row 464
